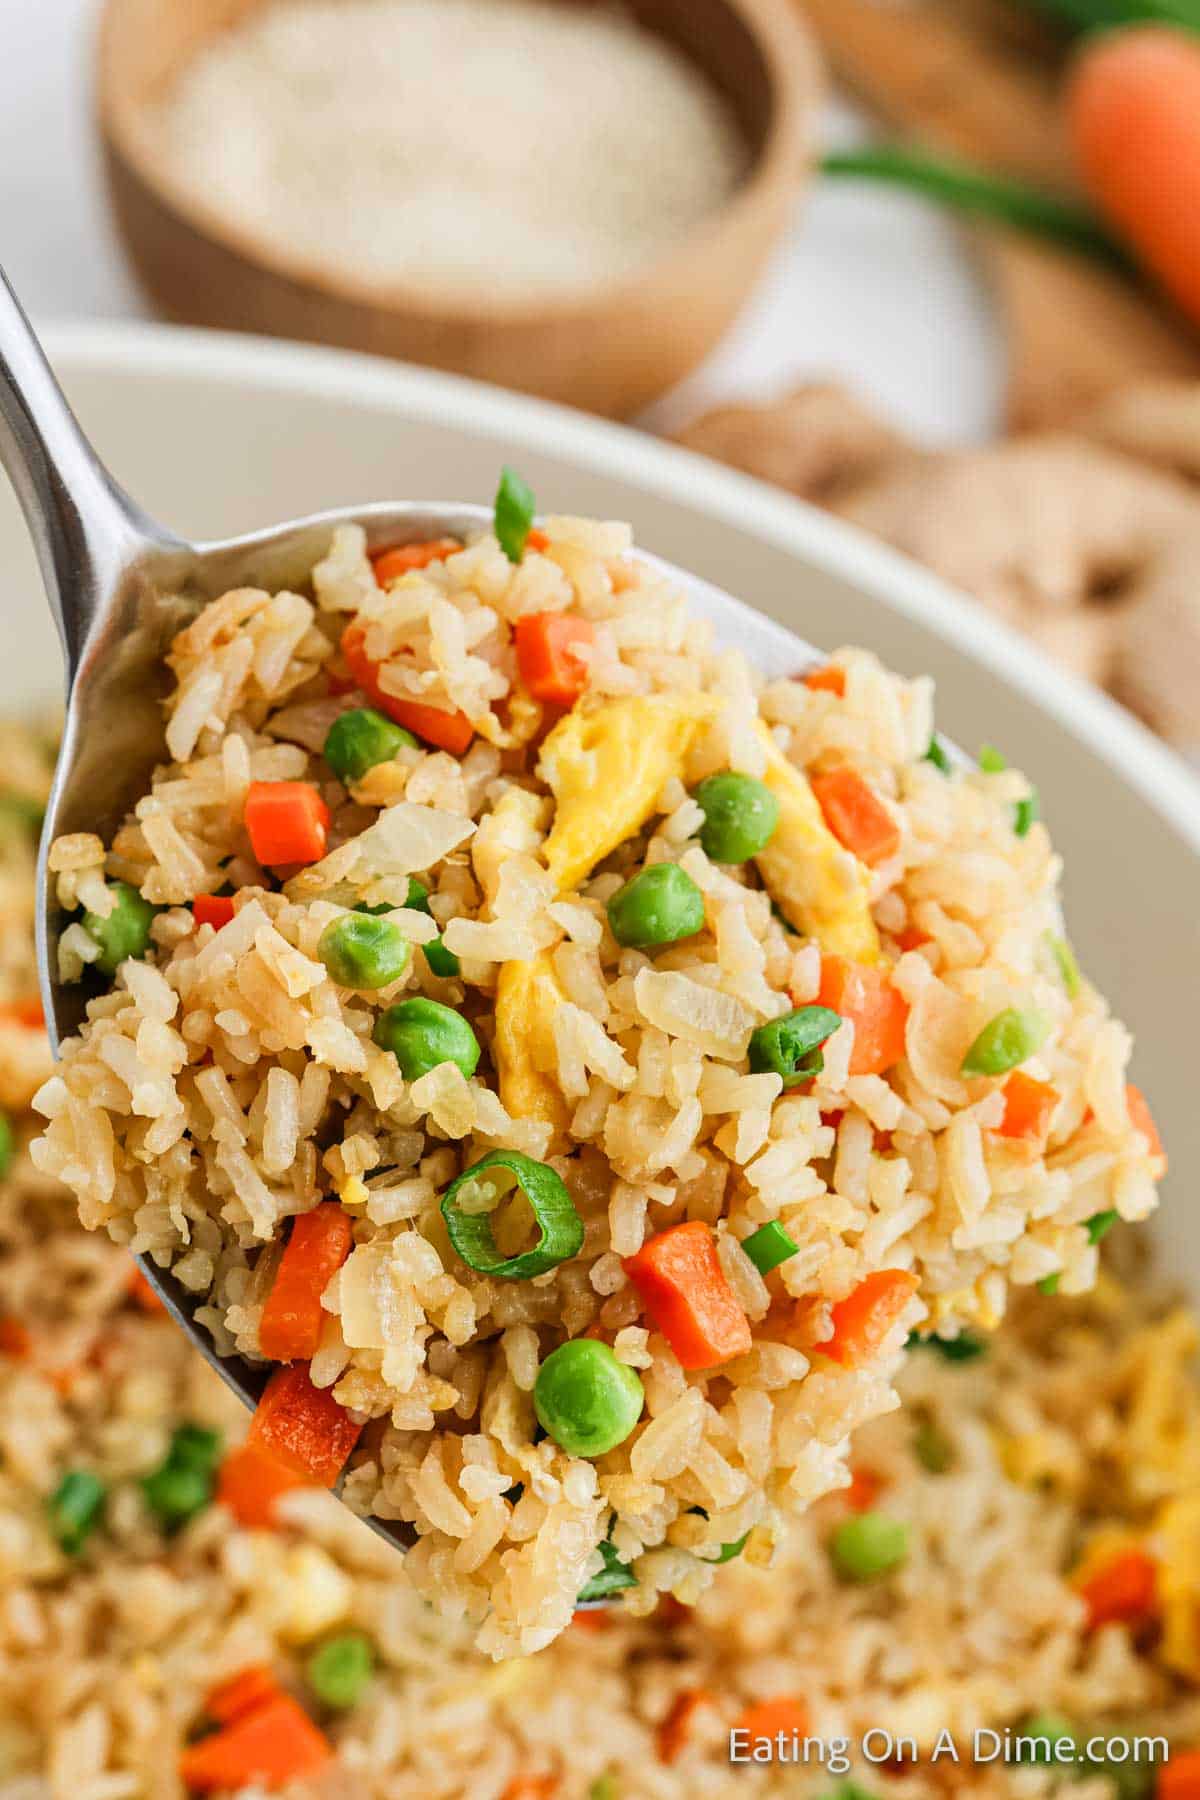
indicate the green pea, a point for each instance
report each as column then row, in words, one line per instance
column 364, row 952
column 422, row 1034
column 790, row 1046
column 937, row 756
column 963, row 1348
column 769, row 1246
column 868, row 1546
column 75, row 1508
column 740, row 816
column 8, row 1143
column 1006, row 1041
column 339, row 1672
column 441, row 961
column 126, row 930
column 513, row 514
column 612, row 1579
column 585, row 1399
column 1041, row 1736
column 358, row 740
column 658, row 906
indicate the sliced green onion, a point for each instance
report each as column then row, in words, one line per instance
column 25, row 814
column 976, row 191
column 1006, row 1041
column 604, row 1788
column 441, row 961
column 727, row 1552
column 937, row 756
column 417, row 898
column 991, row 760
column 769, row 1246
column 932, row 1448
column 560, row 1229
column 964, row 1348
column 513, row 514
column 8, row 1143
column 182, row 1485
column 790, row 1046
column 1100, row 1224
column 1026, row 813
column 613, row 1578
column 195, row 1447
column 1049, row 1284
column 339, row 1672
column 1068, row 967
column 75, row 1508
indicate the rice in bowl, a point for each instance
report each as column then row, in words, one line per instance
column 762, row 1009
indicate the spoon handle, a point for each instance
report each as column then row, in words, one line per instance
column 85, row 528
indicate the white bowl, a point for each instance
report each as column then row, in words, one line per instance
column 219, row 434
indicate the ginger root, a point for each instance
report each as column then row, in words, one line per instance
column 1089, row 542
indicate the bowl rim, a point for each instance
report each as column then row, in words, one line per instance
column 1134, row 756
column 793, row 70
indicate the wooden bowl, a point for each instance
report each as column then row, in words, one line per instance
column 610, row 349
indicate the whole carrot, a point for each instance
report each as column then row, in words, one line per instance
column 1133, row 114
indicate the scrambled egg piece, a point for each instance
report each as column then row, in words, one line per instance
column 1177, row 1535
column 817, row 885
column 527, row 996
column 514, row 827
column 1162, row 1432
column 606, row 769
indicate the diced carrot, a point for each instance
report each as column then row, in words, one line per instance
column 27, row 1013
column 303, row 1426
column 671, row 1612
column 1029, row 1106
column 250, row 1482
column 826, row 680
column 911, row 938
column 531, row 1787
column 288, row 822
column 863, row 993
column 213, row 909
column 1121, row 1590
column 591, row 1620
column 450, row 731
column 864, row 1318
column 142, row 1294
column 675, row 1730
column 548, row 645
column 274, row 1744
column 15, row 1339
column 251, row 1687
column 290, row 1327
column 390, row 565
column 1133, row 117
column 1179, row 1777
column 767, row 1719
column 1142, row 1119
column 856, row 815
column 537, row 540
column 684, row 1290
column 865, row 1488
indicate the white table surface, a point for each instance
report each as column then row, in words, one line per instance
column 870, row 288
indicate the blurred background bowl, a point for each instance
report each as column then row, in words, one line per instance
column 611, row 349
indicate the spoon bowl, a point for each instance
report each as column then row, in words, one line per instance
column 120, row 587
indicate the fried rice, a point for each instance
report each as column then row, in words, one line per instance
column 1012, row 1468
column 226, row 1086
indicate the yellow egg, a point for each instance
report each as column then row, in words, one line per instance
column 514, row 827
column 315, row 1593
column 817, row 885
column 527, row 996
column 606, row 769
column 1176, row 1539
